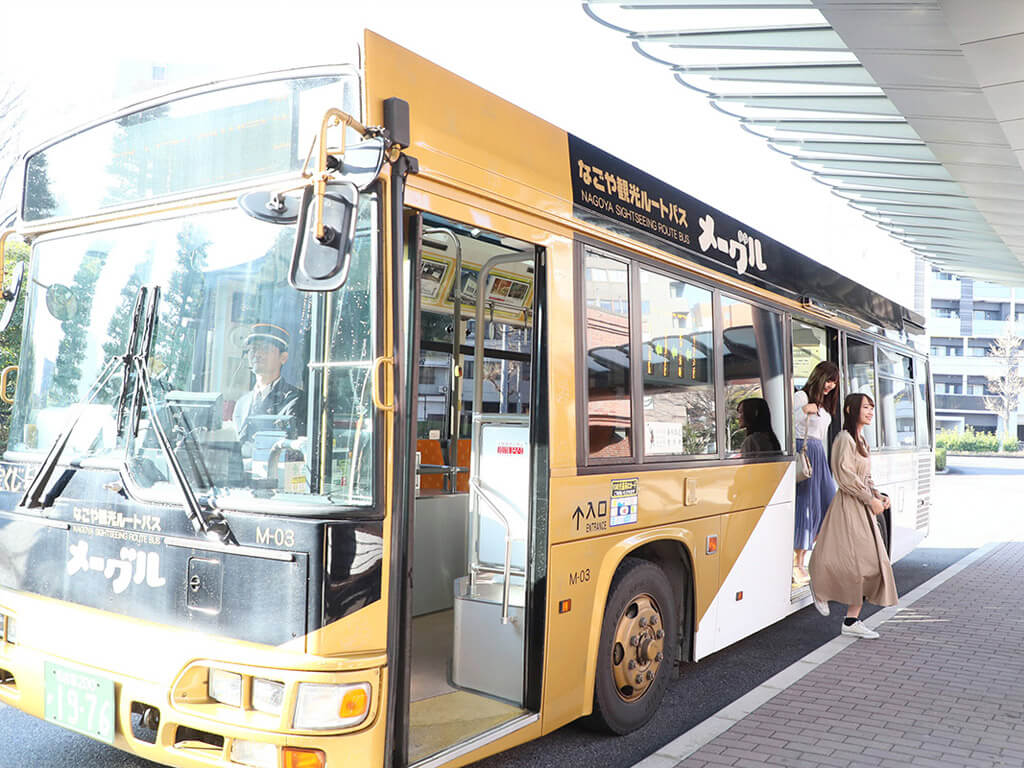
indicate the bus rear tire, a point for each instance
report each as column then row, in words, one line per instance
column 638, row 648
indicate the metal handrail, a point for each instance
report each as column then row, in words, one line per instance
column 478, row 340
column 4, row 374
column 441, row 469
column 474, row 485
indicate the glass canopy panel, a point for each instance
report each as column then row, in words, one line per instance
column 951, row 247
column 810, row 149
column 857, row 105
column 896, row 212
column 810, row 37
column 745, row 88
column 676, row 57
column 832, row 73
column 788, row 77
column 891, row 182
column 632, row 17
column 909, row 224
column 874, row 129
column 965, row 232
column 996, row 273
column 880, row 198
column 973, row 235
column 889, row 168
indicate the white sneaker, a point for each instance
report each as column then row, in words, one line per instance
column 822, row 607
column 857, row 629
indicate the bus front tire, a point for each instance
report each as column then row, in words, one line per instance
column 638, row 648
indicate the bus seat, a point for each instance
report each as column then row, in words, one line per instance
column 430, row 453
column 462, row 459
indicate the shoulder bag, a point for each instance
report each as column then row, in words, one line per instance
column 803, row 465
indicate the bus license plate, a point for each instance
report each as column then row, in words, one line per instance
column 80, row 702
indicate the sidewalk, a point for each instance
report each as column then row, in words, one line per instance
column 943, row 686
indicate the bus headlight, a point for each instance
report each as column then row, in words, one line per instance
column 226, row 687
column 254, row 753
column 267, row 696
column 326, row 706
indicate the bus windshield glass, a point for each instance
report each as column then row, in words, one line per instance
column 197, row 142
column 244, row 371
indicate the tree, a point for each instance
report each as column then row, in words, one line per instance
column 1006, row 386
column 10, row 339
column 66, row 386
column 181, row 308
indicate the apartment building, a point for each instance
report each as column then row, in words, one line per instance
column 965, row 317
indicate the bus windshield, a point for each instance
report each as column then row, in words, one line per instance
column 245, row 372
column 197, row 142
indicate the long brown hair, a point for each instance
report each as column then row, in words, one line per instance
column 757, row 417
column 851, row 419
column 823, row 372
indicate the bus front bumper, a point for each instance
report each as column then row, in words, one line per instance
column 179, row 724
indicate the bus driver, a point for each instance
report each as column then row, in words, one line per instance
column 267, row 349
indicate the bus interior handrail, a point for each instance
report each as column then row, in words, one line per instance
column 479, row 492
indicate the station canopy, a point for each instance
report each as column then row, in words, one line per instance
column 911, row 110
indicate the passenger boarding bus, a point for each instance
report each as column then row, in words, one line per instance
column 365, row 419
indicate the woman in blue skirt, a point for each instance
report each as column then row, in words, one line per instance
column 813, row 409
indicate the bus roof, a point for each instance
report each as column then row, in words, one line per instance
column 463, row 133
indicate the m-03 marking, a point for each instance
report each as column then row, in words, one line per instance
column 279, row 537
column 581, row 576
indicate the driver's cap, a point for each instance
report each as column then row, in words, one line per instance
column 269, row 332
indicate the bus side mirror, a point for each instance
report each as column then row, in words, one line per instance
column 321, row 260
column 9, row 295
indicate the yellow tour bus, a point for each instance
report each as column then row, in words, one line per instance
column 364, row 419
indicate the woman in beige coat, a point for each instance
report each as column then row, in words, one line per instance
column 849, row 563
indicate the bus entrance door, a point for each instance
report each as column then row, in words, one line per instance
column 471, row 519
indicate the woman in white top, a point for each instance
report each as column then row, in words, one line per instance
column 813, row 408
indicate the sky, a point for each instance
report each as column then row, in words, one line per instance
column 546, row 56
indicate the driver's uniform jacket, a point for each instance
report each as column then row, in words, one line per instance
column 279, row 399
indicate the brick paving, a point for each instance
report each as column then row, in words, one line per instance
column 943, row 686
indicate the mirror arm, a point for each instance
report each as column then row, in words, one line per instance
column 279, row 193
column 332, row 118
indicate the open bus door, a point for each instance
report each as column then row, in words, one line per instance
column 812, row 344
column 472, row 614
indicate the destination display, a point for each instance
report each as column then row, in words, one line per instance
column 622, row 194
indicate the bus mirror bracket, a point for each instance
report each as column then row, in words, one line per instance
column 326, row 213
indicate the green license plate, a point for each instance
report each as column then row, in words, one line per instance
column 80, row 702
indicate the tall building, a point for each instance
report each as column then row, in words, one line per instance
column 965, row 318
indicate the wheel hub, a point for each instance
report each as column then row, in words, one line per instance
column 638, row 648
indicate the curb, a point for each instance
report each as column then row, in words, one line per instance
column 689, row 742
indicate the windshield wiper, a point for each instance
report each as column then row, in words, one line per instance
column 126, row 358
column 33, row 496
column 136, row 359
column 206, row 522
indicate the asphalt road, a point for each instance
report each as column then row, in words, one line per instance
column 709, row 685
column 969, row 511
